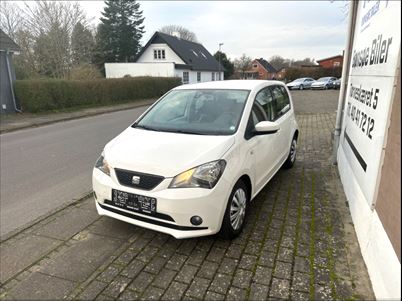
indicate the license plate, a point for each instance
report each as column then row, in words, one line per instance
column 133, row 202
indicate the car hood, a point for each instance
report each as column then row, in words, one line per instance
column 292, row 84
column 162, row 153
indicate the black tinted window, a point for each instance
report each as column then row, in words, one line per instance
column 265, row 100
column 281, row 101
column 257, row 115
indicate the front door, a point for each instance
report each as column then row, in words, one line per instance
column 263, row 147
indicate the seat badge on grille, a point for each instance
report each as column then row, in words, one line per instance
column 135, row 180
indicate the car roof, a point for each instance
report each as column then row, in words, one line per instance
column 245, row 84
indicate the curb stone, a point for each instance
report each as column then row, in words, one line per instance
column 17, row 231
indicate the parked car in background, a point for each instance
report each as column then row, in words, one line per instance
column 191, row 164
column 337, row 83
column 323, row 83
column 300, row 83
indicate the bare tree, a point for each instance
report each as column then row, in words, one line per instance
column 11, row 18
column 242, row 64
column 43, row 30
column 44, row 15
column 306, row 62
column 183, row 32
column 278, row 62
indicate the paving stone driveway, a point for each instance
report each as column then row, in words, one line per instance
column 298, row 243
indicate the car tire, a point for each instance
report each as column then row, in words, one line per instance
column 326, row 87
column 301, row 87
column 291, row 159
column 238, row 201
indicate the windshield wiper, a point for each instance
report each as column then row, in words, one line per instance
column 185, row 132
column 140, row 126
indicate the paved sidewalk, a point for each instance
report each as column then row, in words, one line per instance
column 12, row 122
column 298, row 243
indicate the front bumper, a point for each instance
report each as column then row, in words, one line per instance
column 175, row 206
column 318, row 87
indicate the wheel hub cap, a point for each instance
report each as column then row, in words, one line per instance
column 238, row 208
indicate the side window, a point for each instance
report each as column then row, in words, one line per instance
column 257, row 115
column 265, row 100
column 281, row 100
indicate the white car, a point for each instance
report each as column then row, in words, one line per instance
column 191, row 164
column 323, row 83
column 300, row 83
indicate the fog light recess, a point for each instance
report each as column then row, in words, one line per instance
column 196, row 220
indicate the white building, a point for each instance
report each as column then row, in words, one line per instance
column 170, row 56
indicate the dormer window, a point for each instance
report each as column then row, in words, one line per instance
column 159, row 54
column 195, row 53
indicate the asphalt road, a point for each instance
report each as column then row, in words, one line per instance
column 45, row 168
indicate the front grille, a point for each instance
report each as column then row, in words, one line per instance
column 146, row 181
column 156, row 214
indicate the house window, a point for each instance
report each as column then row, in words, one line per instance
column 159, row 54
column 199, row 77
column 255, row 66
column 185, row 77
column 337, row 64
column 213, row 76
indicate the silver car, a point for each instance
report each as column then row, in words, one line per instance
column 324, row 83
column 337, row 84
column 300, row 83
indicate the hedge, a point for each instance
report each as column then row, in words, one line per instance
column 295, row 72
column 53, row 94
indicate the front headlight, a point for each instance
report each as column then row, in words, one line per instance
column 203, row 176
column 103, row 165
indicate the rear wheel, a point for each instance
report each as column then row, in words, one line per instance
column 235, row 213
column 290, row 161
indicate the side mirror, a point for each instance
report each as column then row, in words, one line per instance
column 266, row 127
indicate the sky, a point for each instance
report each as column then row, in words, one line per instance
column 291, row 29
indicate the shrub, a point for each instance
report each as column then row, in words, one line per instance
column 52, row 94
column 85, row 72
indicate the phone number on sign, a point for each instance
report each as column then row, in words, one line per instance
column 364, row 122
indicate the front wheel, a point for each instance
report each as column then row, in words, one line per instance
column 290, row 161
column 235, row 213
column 301, row 87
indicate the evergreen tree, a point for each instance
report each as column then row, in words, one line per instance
column 226, row 63
column 120, row 31
column 82, row 45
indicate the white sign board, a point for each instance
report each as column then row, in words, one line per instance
column 374, row 60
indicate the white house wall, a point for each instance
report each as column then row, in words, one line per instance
column 170, row 55
column 116, row 70
column 206, row 76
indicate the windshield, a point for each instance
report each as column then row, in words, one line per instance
column 202, row 112
column 323, row 79
column 299, row 80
